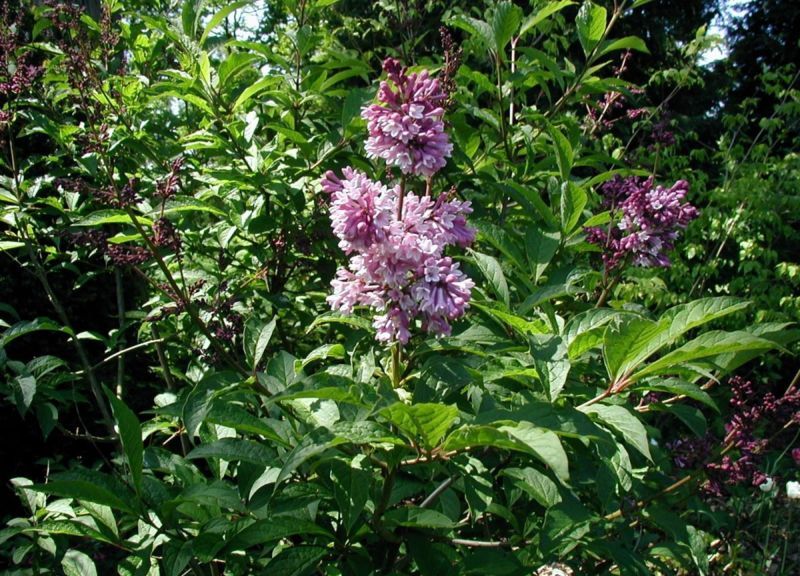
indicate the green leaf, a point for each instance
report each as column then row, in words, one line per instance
column 551, row 361
column 324, row 352
column 199, row 400
column 591, row 23
column 544, row 444
column 270, row 530
column 540, row 247
column 505, row 21
column 704, row 346
column 76, row 563
column 24, row 387
column 228, row 414
column 190, row 16
column 697, row 547
column 584, row 331
column 694, row 419
column 678, row 388
column 28, row 327
column 180, row 204
column 516, row 322
column 536, row 484
column 622, row 421
column 111, row 217
column 70, row 528
column 573, row 201
column 217, row 19
column 429, row 422
column 414, row 517
column 626, row 43
column 296, row 561
column 84, row 484
column 620, row 343
column 234, row 450
column 259, row 86
column 257, row 335
column 336, row 318
column 478, row 29
column 130, row 434
column 492, row 271
column 564, row 153
column 10, row 245
column 634, row 340
column 548, row 10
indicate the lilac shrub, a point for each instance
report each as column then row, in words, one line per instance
column 645, row 221
column 397, row 239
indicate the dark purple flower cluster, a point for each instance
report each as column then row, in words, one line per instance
column 168, row 187
column 661, row 136
column 165, row 235
column 406, row 127
column 646, row 221
column 757, row 420
column 397, row 239
column 16, row 71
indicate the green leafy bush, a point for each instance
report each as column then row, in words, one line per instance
column 170, row 162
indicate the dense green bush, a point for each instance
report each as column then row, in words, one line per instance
column 168, row 181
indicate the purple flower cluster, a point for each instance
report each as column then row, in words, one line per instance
column 646, row 220
column 397, row 239
column 16, row 73
column 757, row 420
column 398, row 267
column 406, row 128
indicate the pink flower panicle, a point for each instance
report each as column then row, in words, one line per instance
column 649, row 219
column 406, row 127
column 397, row 263
column 399, row 268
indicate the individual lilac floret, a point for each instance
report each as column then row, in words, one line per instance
column 406, row 128
column 648, row 221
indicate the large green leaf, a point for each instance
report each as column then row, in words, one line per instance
column 428, row 422
column 217, row 18
column 634, row 340
column 84, row 484
column 296, row 560
column 270, row 530
column 76, row 563
column 622, row 421
column 547, row 10
column 584, row 331
column 505, row 22
column 228, row 414
column 492, row 271
column 234, row 450
column 704, row 346
column 536, row 484
column 540, row 247
column 551, row 361
column 257, row 335
column 130, row 434
column 591, row 23
column 544, row 444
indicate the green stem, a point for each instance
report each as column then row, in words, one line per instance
column 397, row 371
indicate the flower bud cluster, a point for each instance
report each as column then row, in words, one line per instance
column 756, row 421
column 646, row 221
column 397, row 239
